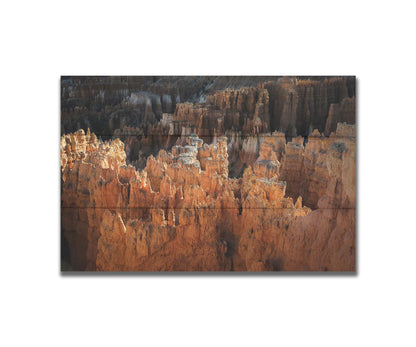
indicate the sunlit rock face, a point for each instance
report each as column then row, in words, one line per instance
column 183, row 213
column 305, row 168
column 208, row 173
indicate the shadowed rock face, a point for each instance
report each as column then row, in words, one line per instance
column 150, row 113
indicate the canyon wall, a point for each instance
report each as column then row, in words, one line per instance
column 183, row 212
column 150, row 113
column 293, row 100
column 208, row 173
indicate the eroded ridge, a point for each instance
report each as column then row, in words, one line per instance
column 183, row 212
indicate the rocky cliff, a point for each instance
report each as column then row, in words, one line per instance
column 184, row 212
column 208, row 173
column 150, row 113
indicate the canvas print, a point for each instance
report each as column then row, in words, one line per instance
column 208, row 173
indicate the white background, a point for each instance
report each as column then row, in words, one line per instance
column 41, row 40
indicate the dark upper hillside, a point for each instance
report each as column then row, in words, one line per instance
column 295, row 105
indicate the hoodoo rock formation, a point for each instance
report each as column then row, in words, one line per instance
column 208, row 173
column 183, row 212
column 150, row 113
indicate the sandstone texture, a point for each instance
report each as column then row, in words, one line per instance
column 150, row 113
column 183, row 213
column 208, row 173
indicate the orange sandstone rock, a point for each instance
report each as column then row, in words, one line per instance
column 183, row 213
